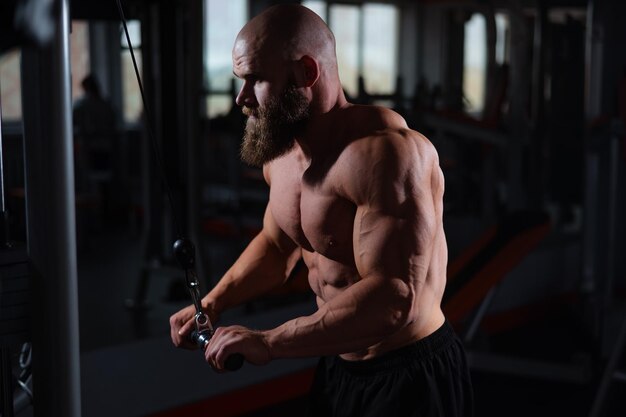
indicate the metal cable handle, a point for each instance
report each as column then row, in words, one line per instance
column 184, row 250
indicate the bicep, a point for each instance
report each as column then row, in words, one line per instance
column 396, row 217
column 395, row 227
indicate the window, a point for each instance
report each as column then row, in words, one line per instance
column 132, row 106
column 223, row 20
column 10, row 76
column 475, row 63
column 79, row 44
column 503, row 38
column 367, row 43
column 344, row 22
column 10, row 86
column 319, row 7
column 380, row 51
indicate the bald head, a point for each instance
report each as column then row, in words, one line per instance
column 287, row 51
column 294, row 31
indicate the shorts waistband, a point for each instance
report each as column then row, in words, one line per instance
column 420, row 350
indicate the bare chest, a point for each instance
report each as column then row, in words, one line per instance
column 316, row 218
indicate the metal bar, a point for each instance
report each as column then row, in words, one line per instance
column 609, row 372
column 4, row 221
column 193, row 84
column 593, row 62
column 589, row 281
column 480, row 314
column 520, row 78
column 2, row 202
column 50, row 205
column 540, row 174
column 6, row 382
column 612, row 216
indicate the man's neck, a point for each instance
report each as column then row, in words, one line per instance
column 319, row 135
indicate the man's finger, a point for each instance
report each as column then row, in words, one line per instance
column 185, row 329
column 210, row 356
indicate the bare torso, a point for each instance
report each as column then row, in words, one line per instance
column 308, row 204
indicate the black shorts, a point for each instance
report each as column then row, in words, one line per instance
column 427, row 378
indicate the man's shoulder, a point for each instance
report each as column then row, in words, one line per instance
column 364, row 119
column 374, row 126
column 394, row 143
column 383, row 156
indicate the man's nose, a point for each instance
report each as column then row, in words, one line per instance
column 246, row 96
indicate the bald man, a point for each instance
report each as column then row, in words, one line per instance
column 358, row 196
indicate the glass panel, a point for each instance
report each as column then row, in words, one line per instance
column 131, row 95
column 223, row 20
column 10, row 86
column 475, row 63
column 502, row 38
column 380, row 47
column 218, row 104
column 319, row 7
column 79, row 44
column 344, row 22
column 10, row 71
column 134, row 32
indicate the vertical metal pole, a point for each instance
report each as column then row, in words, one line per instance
column 49, row 169
column 518, row 97
column 193, row 87
column 589, row 283
column 2, row 204
column 540, row 174
column 4, row 220
column 609, row 373
column 594, row 59
column 613, row 146
column 589, row 258
column 6, row 382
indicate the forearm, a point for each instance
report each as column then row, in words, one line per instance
column 359, row 317
column 260, row 267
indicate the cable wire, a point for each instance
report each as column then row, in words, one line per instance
column 148, row 119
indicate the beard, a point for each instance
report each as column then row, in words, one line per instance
column 273, row 131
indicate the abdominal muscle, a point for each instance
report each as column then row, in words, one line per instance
column 328, row 278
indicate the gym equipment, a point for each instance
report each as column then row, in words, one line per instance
column 473, row 274
column 184, row 251
column 473, row 279
column 611, row 372
column 183, row 248
column 15, row 307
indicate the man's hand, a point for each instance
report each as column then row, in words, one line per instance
column 182, row 324
column 227, row 341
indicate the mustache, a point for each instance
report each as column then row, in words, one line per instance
column 249, row 112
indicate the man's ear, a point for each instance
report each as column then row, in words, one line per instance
column 308, row 71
